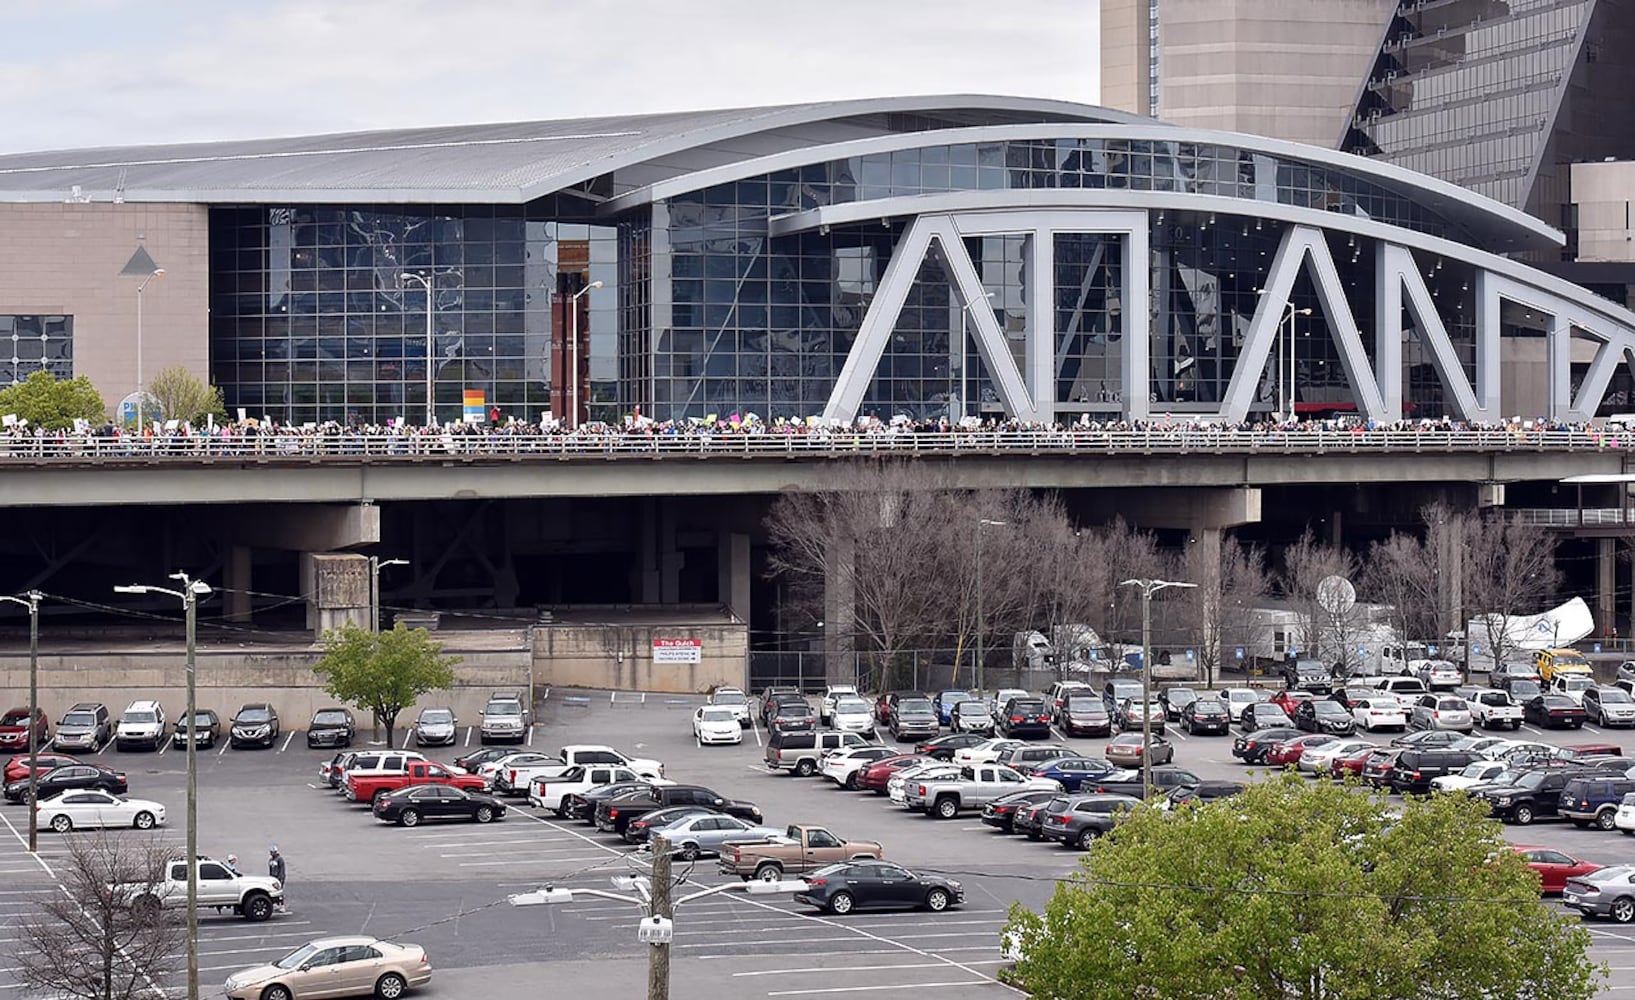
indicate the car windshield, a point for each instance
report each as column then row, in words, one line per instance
column 1207, row 705
column 730, row 698
column 913, row 705
column 1328, row 708
column 1524, row 689
column 1531, row 779
column 254, row 715
column 953, row 697
column 1613, row 695
column 1126, row 689
column 332, row 717
column 851, row 706
column 199, row 719
column 718, row 715
column 1475, row 770
column 504, row 708
column 975, row 708
column 436, row 716
column 296, row 958
column 79, row 719
column 1574, row 683
column 795, row 708
column 14, row 718
column 138, row 717
column 1092, row 706
column 1180, row 696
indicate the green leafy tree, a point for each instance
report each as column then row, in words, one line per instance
column 47, row 401
column 1300, row 892
column 383, row 672
column 181, row 395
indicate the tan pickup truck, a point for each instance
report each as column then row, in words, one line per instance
column 801, row 849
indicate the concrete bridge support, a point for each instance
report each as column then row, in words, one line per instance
column 839, row 613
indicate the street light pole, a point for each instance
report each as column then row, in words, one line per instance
column 191, row 591
column 981, row 619
column 965, row 354
column 1292, row 313
column 31, row 601
column 573, row 348
column 375, row 566
column 658, row 959
column 427, row 281
column 1148, row 588
column 155, row 273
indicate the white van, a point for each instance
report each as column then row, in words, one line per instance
column 142, row 725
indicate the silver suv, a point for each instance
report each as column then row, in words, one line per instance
column 504, row 718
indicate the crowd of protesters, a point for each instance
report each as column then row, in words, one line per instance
column 510, row 434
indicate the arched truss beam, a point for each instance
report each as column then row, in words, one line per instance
column 1616, row 342
column 1302, row 246
column 1399, row 283
column 1029, row 394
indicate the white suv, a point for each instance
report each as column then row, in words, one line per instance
column 142, row 725
column 832, row 694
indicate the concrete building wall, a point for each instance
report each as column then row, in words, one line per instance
column 1603, row 196
column 1124, row 55
column 1290, row 69
column 65, row 259
column 620, row 657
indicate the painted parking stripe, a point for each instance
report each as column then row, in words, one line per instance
column 831, row 968
column 879, row 987
column 468, row 735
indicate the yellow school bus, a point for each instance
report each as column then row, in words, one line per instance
column 1550, row 662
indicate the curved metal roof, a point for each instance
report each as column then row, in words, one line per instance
column 498, row 163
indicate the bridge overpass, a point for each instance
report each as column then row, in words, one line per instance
column 359, row 468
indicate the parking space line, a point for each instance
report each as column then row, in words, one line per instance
column 163, row 746
column 468, row 736
column 287, row 741
column 514, row 860
column 224, row 745
column 529, row 739
column 877, row 987
column 104, row 748
column 830, row 968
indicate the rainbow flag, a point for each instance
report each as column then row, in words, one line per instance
column 476, row 409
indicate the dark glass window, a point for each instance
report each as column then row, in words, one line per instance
column 30, row 344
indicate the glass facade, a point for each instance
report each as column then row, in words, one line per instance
column 36, row 343
column 311, row 319
column 744, row 322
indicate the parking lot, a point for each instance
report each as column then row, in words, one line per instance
column 445, row 887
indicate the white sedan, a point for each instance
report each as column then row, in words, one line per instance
column 986, row 752
column 716, row 724
column 87, row 808
column 1475, row 773
column 1319, row 759
column 1379, row 712
column 845, row 766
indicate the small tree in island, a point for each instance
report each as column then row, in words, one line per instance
column 383, row 672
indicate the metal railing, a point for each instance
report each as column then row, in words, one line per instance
column 1573, row 517
column 822, row 443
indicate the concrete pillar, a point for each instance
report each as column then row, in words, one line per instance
column 1606, row 580
column 1336, row 528
column 670, row 557
column 1450, row 573
column 337, row 589
column 650, row 574
column 839, row 613
column 732, row 572
column 236, row 584
column 1204, row 569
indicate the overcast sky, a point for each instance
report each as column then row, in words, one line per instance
column 118, row 72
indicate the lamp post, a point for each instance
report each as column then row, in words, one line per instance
column 31, row 601
column 653, row 895
column 573, row 347
column 965, row 350
column 428, row 282
column 157, row 272
column 375, row 566
column 1148, row 588
column 189, row 595
column 981, row 620
column 1285, row 366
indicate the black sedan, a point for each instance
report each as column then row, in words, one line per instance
column 842, row 888
column 1324, row 716
column 469, row 763
column 582, row 805
column 1429, row 739
column 1556, row 710
column 1206, row 715
column 943, row 747
column 1002, row 812
column 1175, row 701
column 641, row 828
column 1203, row 791
column 331, row 727
column 1084, row 715
column 1253, row 748
column 409, row 806
column 68, row 776
column 1263, row 715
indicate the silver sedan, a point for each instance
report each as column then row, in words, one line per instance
column 706, row 834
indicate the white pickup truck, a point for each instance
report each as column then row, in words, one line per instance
column 1493, row 708
column 947, row 797
column 516, row 780
column 548, row 793
column 253, row 897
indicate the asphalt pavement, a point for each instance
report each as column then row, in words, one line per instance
column 445, row 887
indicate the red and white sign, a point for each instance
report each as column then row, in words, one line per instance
column 678, row 650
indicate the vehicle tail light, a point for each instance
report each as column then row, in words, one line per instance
column 919, row 790
column 513, row 776
column 1584, row 803
column 817, row 882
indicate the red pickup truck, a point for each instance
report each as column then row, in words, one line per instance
column 368, row 787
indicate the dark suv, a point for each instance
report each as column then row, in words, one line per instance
column 791, row 715
column 255, row 725
column 1414, row 769
column 1024, row 718
column 1307, row 675
column 913, row 717
column 1084, row 714
column 1594, row 799
column 1533, row 794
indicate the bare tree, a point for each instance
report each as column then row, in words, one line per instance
column 1400, row 573
column 1231, row 579
column 1510, row 572
column 1327, row 632
column 91, row 942
column 877, row 529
